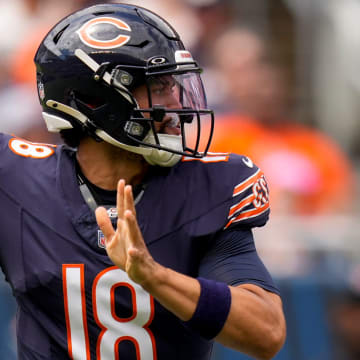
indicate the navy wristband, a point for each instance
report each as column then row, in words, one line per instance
column 212, row 309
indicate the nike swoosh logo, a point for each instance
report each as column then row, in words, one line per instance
column 248, row 162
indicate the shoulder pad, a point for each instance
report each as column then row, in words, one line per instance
column 233, row 183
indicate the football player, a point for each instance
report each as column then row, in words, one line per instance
column 131, row 241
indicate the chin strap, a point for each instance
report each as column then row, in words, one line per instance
column 161, row 157
column 151, row 155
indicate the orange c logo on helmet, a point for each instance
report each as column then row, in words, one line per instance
column 85, row 33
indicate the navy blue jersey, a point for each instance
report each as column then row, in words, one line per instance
column 72, row 301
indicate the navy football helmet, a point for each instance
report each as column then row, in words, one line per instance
column 90, row 63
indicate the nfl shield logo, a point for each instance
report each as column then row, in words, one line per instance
column 101, row 239
column 112, row 212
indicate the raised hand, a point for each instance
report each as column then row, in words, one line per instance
column 125, row 246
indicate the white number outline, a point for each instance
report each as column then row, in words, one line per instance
column 75, row 314
column 30, row 149
column 103, row 290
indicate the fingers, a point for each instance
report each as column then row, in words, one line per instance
column 134, row 231
column 104, row 223
column 125, row 200
column 120, row 199
column 130, row 216
column 127, row 212
column 129, row 199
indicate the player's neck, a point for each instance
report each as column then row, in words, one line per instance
column 104, row 164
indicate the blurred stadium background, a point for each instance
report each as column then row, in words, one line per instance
column 283, row 77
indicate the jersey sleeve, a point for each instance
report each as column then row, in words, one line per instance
column 232, row 258
column 249, row 204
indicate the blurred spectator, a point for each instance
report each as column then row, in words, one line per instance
column 307, row 172
column 335, row 59
column 213, row 17
column 345, row 320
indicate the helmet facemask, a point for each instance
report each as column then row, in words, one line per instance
column 175, row 111
column 170, row 120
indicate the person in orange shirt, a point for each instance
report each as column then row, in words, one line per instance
column 307, row 171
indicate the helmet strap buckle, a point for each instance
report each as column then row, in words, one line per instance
column 100, row 72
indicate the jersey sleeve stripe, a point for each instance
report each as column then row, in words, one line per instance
column 210, row 158
column 247, row 183
column 240, row 205
column 210, row 153
column 248, row 215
